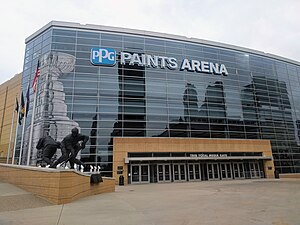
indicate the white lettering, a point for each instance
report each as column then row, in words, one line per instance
column 143, row 59
column 162, row 61
column 185, row 65
column 103, row 56
column 135, row 59
column 152, row 61
column 223, row 70
column 195, row 65
column 95, row 54
column 172, row 63
column 204, row 66
column 125, row 56
column 214, row 68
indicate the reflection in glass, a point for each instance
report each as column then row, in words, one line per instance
column 259, row 99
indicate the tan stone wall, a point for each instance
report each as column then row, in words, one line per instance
column 290, row 175
column 8, row 93
column 56, row 186
column 122, row 146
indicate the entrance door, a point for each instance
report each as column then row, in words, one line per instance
column 163, row 172
column 213, row 171
column 238, row 170
column 179, row 172
column 194, row 171
column 135, row 174
column 145, row 178
column 226, row 171
column 255, row 171
column 140, row 174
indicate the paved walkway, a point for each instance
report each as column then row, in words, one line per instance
column 262, row 202
column 13, row 198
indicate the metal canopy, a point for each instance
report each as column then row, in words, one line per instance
column 134, row 159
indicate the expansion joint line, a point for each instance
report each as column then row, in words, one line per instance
column 62, row 207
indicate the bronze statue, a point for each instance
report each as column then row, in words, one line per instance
column 49, row 146
column 70, row 146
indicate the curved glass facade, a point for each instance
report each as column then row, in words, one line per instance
column 258, row 99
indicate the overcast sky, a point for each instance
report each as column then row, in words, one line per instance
column 271, row 26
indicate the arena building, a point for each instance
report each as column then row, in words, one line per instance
column 160, row 107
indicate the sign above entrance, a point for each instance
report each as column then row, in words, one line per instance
column 208, row 155
column 107, row 57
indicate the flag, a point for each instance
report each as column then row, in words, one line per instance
column 36, row 76
column 22, row 110
column 17, row 105
column 27, row 100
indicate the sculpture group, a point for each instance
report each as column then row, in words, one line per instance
column 70, row 147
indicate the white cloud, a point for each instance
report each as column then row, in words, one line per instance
column 267, row 25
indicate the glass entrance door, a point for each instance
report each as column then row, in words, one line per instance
column 163, row 172
column 226, row 171
column 135, row 173
column 194, row 171
column 213, row 171
column 140, row 173
column 255, row 171
column 179, row 173
column 238, row 170
column 144, row 173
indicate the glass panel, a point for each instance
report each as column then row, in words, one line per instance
column 228, row 170
column 236, row 171
column 209, row 171
column 216, row 171
column 145, row 173
column 191, row 171
column 252, row 170
column 223, row 171
column 176, row 172
column 135, row 173
column 167, row 172
column 160, row 172
column 197, row 171
column 182, row 172
column 241, row 168
column 257, row 169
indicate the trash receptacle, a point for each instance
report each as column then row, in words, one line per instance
column 121, row 180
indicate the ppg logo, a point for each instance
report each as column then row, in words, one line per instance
column 103, row 56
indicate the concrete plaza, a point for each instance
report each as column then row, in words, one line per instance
column 235, row 202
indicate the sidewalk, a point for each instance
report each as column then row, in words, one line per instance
column 244, row 202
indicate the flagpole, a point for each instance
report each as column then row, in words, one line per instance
column 10, row 135
column 16, row 136
column 16, row 133
column 31, row 128
column 35, row 89
column 15, row 142
column 22, row 139
column 23, row 128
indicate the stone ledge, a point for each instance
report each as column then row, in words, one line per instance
column 289, row 175
column 54, row 185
